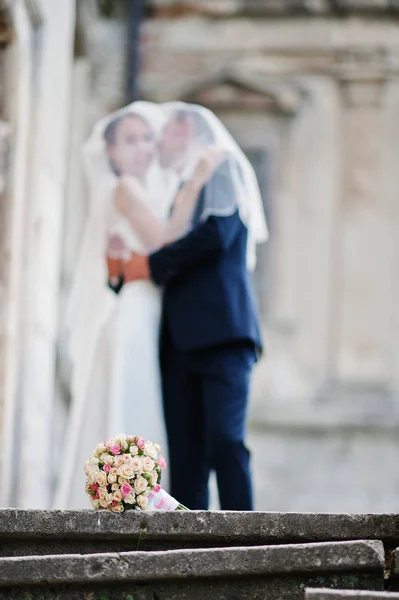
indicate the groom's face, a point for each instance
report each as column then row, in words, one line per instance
column 175, row 142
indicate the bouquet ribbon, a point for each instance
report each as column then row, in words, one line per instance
column 161, row 500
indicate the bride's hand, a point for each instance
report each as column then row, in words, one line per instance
column 115, row 250
column 115, row 247
column 209, row 160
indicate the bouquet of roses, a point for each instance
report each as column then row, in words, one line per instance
column 124, row 473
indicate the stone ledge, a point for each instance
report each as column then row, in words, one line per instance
column 361, row 557
column 28, row 532
column 323, row 594
column 226, row 8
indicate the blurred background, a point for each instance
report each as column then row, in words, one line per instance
column 310, row 90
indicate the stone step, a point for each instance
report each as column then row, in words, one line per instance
column 324, row 594
column 395, row 570
column 32, row 532
column 249, row 573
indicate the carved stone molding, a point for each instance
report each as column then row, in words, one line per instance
column 364, row 72
column 236, row 88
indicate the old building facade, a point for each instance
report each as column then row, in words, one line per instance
column 310, row 90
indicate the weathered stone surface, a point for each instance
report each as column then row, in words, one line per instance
column 324, row 594
column 394, row 571
column 167, row 8
column 24, row 532
column 226, row 573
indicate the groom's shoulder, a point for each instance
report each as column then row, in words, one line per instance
column 227, row 170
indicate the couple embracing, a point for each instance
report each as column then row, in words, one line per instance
column 163, row 326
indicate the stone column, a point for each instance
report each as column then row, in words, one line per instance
column 44, row 222
column 4, row 259
column 361, row 291
column 18, row 100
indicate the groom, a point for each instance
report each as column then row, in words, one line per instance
column 210, row 338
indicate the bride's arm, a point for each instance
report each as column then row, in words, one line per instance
column 130, row 201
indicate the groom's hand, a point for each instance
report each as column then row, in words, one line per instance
column 135, row 268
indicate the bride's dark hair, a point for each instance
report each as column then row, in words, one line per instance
column 109, row 135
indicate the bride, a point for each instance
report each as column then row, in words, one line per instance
column 113, row 339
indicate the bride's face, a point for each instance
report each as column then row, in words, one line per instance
column 132, row 149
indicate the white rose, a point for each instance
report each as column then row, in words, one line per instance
column 94, row 461
column 115, row 487
column 102, row 493
column 130, row 499
column 93, row 469
column 157, row 448
column 101, row 479
column 118, row 461
column 140, row 485
column 142, row 502
column 95, row 504
column 92, row 475
column 134, row 450
column 107, row 459
column 126, row 471
column 120, row 439
column 112, row 476
column 154, row 478
column 136, row 464
column 117, row 509
column 126, row 458
column 117, row 496
column 103, row 503
column 100, row 448
column 148, row 464
column 122, row 480
column 149, row 450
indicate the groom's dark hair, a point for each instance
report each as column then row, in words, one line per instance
column 202, row 127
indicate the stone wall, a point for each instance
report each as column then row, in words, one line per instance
column 318, row 91
column 39, row 63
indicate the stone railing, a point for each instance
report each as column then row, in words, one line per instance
column 49, row 555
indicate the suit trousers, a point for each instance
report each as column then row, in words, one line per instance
column 205, row 405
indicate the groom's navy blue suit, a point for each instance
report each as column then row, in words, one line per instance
column 210, row 337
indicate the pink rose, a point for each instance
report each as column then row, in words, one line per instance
column 96, row 495
column 126, row 489
column 115, row 503
column 161, row 462
column 131, row 439
column 140, row 443
column 94, row 487
column 157, row 488
column 106, row 469
column 115, row 449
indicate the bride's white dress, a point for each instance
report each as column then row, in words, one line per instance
column 116, row 385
